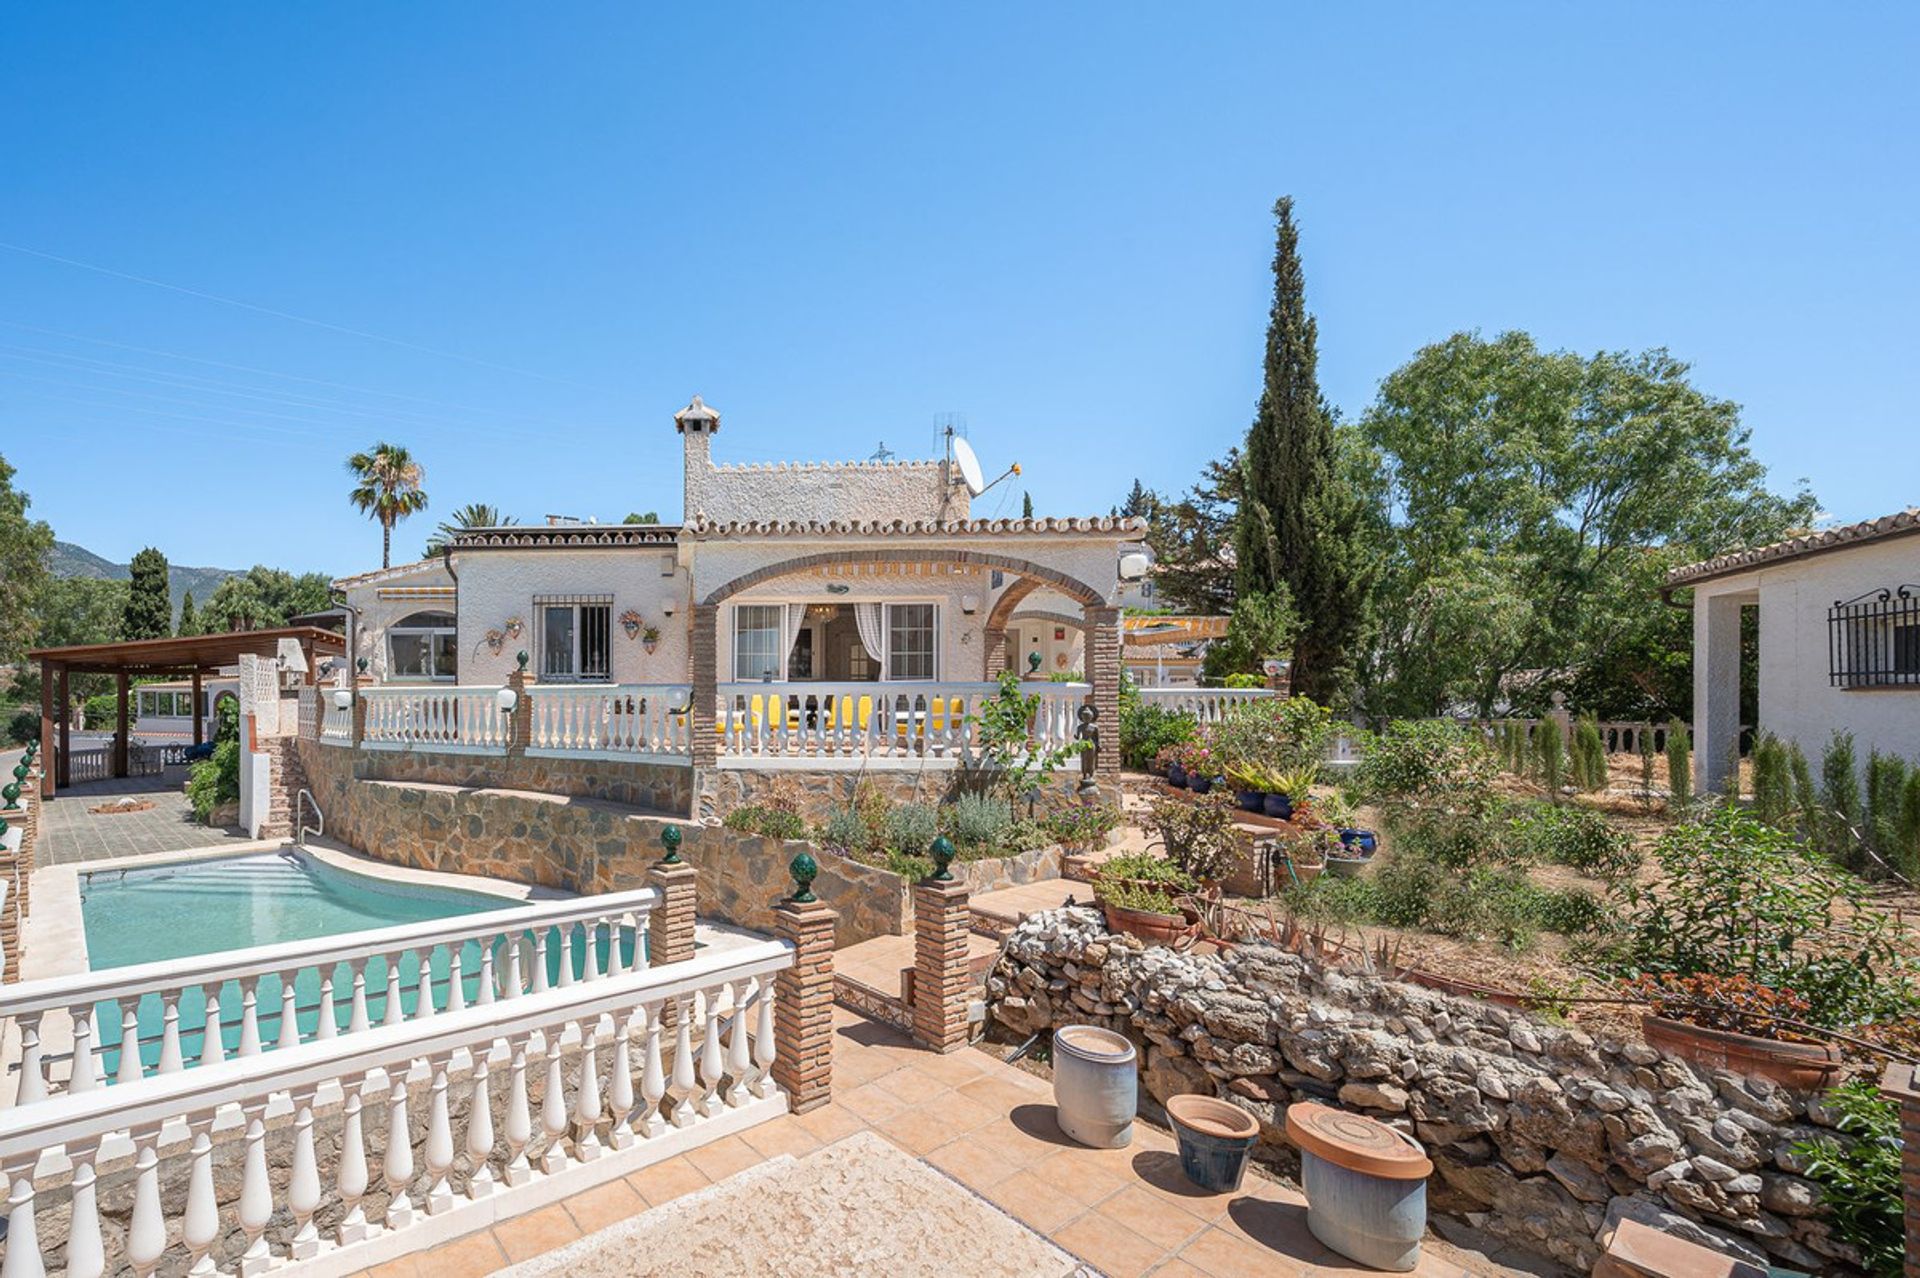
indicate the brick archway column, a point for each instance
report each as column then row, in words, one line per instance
column 1103, row 672
column 701, row 717
column 996, row 653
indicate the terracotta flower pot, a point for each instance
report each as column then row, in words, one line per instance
column 1803, row 1066
column 1156, row 929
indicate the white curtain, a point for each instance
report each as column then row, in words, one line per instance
column 796, row 619
column 873, row 637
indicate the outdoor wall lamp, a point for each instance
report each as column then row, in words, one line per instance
column 506, row 699
column 342, row 699
column 969, row 604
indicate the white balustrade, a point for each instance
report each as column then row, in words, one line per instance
column 309, row 711
column 1207, row 705
column 177, row 1126
column 336, row 721
column 616, row 720
column 446, row 718
column 852, row 720
column 270, row 999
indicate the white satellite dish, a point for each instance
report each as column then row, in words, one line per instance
column 969, row 466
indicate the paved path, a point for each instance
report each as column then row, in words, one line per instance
column 72, row 833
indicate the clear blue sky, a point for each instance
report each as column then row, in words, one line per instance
column 839, row 223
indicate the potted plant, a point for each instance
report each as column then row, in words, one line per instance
column 631, row 621
column 1082, row 827
column 1202, row 768
column 1356, row 846
column 1140, row 895
column 1293, row 788
column 1249, row 786
column 1301, row 857
column 1735, row 1023
column 650, row 638
column 1199, row 837
column 1166, row 763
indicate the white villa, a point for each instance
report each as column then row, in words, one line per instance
column 1839, row 641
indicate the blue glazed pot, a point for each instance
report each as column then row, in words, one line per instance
column 1361, row 841
column 1199, row 784
column 1250, row 800
column 1371, row 1219
column 1176, row 775
column 1279, row 805
column 1216, row 1139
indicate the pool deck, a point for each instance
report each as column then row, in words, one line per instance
column 71, row 833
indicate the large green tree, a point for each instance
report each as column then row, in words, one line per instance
column 1192, row 540
column 76, row 610
column 387, row 489
column 1298, row 524
column 149, row 601
column 265, row 597
column 1526, row 503
column 24, row 546
column 189, row 623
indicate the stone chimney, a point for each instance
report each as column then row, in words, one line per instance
column 697, row 425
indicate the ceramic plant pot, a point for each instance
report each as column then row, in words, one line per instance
column 1278, row 806
column 1802, row 1066
column 1215, row 1140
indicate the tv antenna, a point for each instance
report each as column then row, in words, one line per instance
column 882, row 453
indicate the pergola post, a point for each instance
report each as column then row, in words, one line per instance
column 64, row 756
column 49, row 754
column 199, row 724
column 120, row 733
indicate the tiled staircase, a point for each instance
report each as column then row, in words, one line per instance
column 288, row 778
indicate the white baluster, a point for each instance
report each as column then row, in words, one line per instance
column 23, row 1236
column 86, row 1067
column 86, row 1249
column 516, row 983
column 539, row 973
column 553, row 1109
column 683, row 1080
column 642, row 930
column 326, row 1027
column 256, row 1191
column 480, row 1124
column 485, row 994
column 351, row 1178
column 519, row 1119
column 171, row 1061
column 213, row 1043
column 620, row 1077
column 591, row 963
column 739, row 1061
column 586, row 1098
column 712, row 1061
column 399, row 1163
column 764, row 1043
column 392, row 1013
column 456, row 977
column 130, row 1070
column 566, row 955
column 423, row 983
column 147, row 1231
column 303, row 1184
column 653, row 1083
column 289, row 1013
column 439, row 1149
column 357, row 1020
column 201, row 1223
column 249, row 1017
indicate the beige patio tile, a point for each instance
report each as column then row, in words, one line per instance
column 831, row 1122
column 871, row 1103
column 910, row 1085
column 1178, row 1268
column 1082, row 1173
column 724, row 1157
column 1219, row 1254
column 1154, row 1217
column 1017, row 1148
column 955, row 1068
column 918, row 1131
column 1003, row 1090
column 1157, row 1172
column 665, row 1181
column 603, row 1205
column 781, row 1136
column 1116, row 1250
column 525, row 1237
column 971, row 1163
column 1034, row 1202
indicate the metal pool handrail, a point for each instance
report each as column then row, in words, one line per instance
column 523, row 964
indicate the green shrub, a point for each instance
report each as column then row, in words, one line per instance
column 1589, row 755
column 1139, row 896
column 1907, row 850
column 1454, row 837
column 1147, row 729
column 1424, row 760
column 1772, row 782
column 911, row 828
column 1886, row 788
column 771, row 823
column 1081, row 826
column 1679, row 767
column 1147, row 867
column 215, row 781
column 1569, row 912
column 23, row 726
column 1806, row 798
column 1243, row 680
column 1023, row 835
column 1646, row 768
column 845, row 830
column 1860, row 1179
column 1198, row 834
column 103, row 711
column 976, row 821
column 1552, row 758
column 1840, row 794
column 1573, row 836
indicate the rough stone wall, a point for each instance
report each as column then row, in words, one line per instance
column 819, row 792
column 1539, row 1134
column 822, row 490
column 659, row 787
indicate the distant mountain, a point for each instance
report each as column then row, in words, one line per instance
column 69, row 560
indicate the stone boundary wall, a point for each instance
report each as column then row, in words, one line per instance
column 722, row 789
column 660, row 787
column 1540, row 1134
column 586, row 845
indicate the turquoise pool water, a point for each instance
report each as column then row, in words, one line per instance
column 201, row 907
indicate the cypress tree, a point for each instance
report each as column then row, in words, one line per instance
column 149, row 610
column 1026, row 505
column 1298, row 522
column 1553, row 766
column 189, row 619
column 1679, row 767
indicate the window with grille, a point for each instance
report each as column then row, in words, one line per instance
column 910, row 641
column 576, row 638
column 1873, row 641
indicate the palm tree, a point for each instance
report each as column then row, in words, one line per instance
column 475, row 514
column 388, row 490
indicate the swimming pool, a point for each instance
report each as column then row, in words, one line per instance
column 205, row 906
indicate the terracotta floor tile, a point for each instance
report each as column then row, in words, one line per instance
column 724, row 1157
column 781, row 1136
column 869, row 1102
column 469, row 1257
column 957, row 1067
column 1106, row 1243
column 830, row 1123
column 1153, row 1217
column 1016, row 1147
column 1083, row 1174
column 1178, row 1268
column 1035, row 1202
column 1221, row 1255
column 400, row 1267
column 971, row 1163
column 594, row 1209
column 1279, row 1228
column 910, row 1085
column 1003, row 1092
column 1158, row 1173
column 525, row 1237
column 918, row 1131
column 665, row 1181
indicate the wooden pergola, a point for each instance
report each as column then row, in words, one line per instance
column 185, row 657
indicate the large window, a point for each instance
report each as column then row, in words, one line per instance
column 910, row 641
column 576, row 639
column 757, row 641
column 423, row 646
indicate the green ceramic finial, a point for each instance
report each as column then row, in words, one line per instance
column 11, row 793
column 670, row 840
column 3, row 828
column 804, row 870
column 362, row 664
column 942, row 852
column 20, row 772
column 1033, row 662
column 521, row 657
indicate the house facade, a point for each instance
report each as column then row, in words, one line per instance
column 833, row 617
column 1839, row 642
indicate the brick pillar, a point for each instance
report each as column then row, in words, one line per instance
column 360, row 685
column 1901, row 1084
column 940, row 981
column 705, row 640
column 670, row 930
column 520, row 731
column 996, row 642
column 1103, row 672
column 803, row 1007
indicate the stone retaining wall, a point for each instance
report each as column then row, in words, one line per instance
column 660, row 787
column 1539, row 1134
column 722, row 789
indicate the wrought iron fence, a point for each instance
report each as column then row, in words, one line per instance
column 1873, row 640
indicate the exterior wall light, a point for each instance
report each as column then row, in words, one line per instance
column 506, row 699
column 342, row 699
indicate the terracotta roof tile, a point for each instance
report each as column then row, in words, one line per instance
column 1906, row 523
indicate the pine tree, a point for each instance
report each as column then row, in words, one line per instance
column 1299, row 523
column 1141, row 500
column 149, row 611
column 189, row 620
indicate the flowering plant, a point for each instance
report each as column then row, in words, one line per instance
column 1735, row 1004
column 631, row 621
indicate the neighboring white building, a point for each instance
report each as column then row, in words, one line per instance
column 1839, row 642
